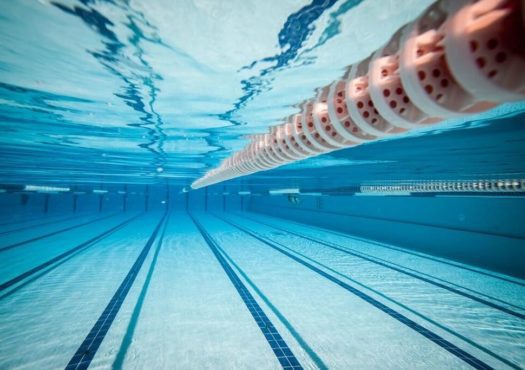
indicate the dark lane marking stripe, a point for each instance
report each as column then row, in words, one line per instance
column 397, row 303
column 402, row 270
column 306, row 347
column 21, row 221
column 279, row 347
column 56, row 259
column 406, row 251
column 130, row 331
column 87, row 350
column 443, row 343
column 62, row 219
column 53, row 233
column 45, row 271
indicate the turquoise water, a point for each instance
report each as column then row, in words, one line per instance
column 182, row 310
column 124, row 91
column 407, row 252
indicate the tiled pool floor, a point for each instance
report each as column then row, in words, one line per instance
column 239, row 291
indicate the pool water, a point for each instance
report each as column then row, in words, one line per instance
column 334, row 300
column 404, row 253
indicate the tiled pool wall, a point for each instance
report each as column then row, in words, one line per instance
column 134, row 198
column 485, row 231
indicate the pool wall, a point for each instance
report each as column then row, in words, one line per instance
column 483, row 231
column 134, row 198
column 480, row 230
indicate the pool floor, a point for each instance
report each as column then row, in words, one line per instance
column 174, row 290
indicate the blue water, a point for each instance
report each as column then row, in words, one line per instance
column 407, row 252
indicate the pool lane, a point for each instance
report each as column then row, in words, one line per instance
column 43, row 324
column 503, row 288
column 314, row 357
column 29, row 276
column 497, row 333
column 281, row 350
column 181, row 309
column 40, row 222
column 8, row 220
column 32, row 235
column 492, row 302
column 89, row 347
column 345, row 330
column 27, row 226
column 15, row 262
column 191, row 316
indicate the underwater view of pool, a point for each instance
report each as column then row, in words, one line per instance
column 205, row 184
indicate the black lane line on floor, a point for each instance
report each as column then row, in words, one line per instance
column 130, row 331
column 442, row 342
column 21, row 221
column 409, row 309
column 62, row 219
column 18, row 244
column 279, row 347
column 417, row 254
column 49, row 269
column 87, row 350
column 306, row 347
column 60, row 257
column 391, row 265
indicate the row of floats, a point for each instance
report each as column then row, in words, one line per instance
column 460, row 57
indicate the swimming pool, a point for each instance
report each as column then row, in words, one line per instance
column 402, row 252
